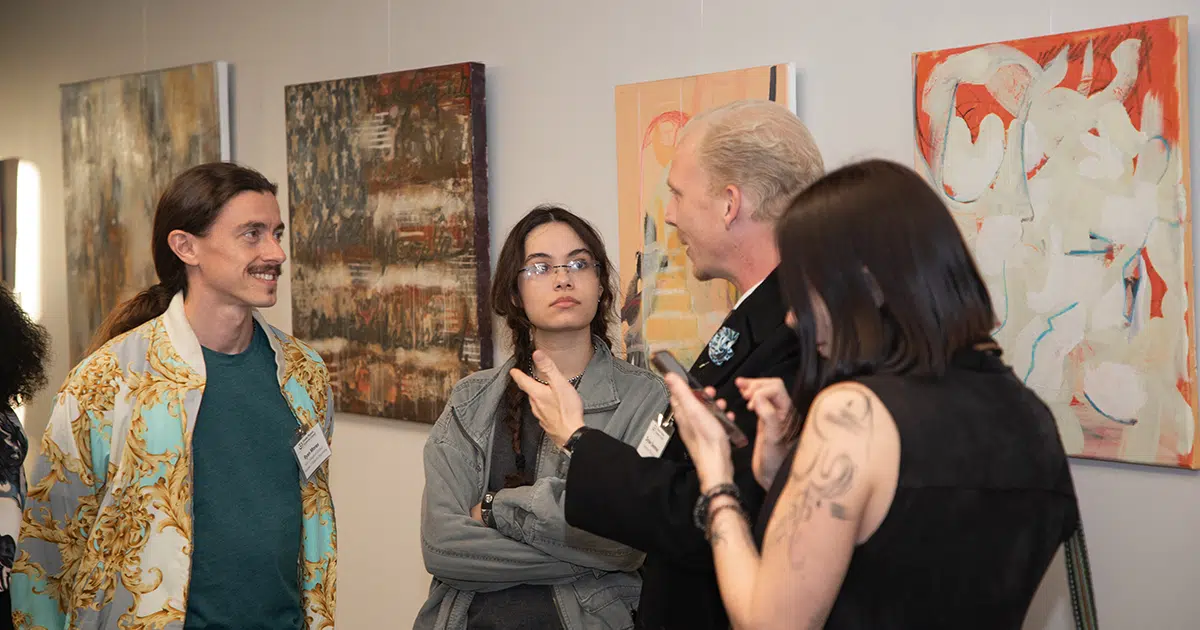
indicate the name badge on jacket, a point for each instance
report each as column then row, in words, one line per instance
column 311, row 450
column 656, row 437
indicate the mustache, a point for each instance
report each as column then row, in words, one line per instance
column 275, row 269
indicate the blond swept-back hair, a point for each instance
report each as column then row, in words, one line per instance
column 759, row 146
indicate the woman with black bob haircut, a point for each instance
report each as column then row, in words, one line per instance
column 916, row 482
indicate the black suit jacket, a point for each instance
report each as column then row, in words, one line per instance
column 647, row 503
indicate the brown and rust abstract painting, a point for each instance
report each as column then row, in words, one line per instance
column 124, row 139
column 387, row 189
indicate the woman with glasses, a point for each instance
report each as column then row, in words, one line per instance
column 493, row 532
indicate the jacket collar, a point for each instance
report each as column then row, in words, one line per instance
column 187, row 346
column 763, row 311
column 597, row 388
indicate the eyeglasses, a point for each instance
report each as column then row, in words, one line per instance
column 542, row 271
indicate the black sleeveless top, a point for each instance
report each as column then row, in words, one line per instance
column 983, row 501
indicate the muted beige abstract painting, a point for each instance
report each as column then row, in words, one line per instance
column 124, row 139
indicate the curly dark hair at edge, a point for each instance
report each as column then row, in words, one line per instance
column 25, row 347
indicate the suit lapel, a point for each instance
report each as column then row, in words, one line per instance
column 749, row 324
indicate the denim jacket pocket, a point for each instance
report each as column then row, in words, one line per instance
column 609, row 599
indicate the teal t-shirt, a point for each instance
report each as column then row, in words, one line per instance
column 247, row 512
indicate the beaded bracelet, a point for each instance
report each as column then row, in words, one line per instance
column 700, row 513
column 712, row 517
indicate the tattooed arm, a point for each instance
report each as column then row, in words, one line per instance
column 842, row 480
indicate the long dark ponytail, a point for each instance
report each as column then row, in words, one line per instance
column 191, row 203
column 506, row 302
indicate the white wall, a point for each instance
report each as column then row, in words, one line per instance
column 551, row 68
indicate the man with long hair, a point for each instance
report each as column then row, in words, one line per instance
column 183, row 477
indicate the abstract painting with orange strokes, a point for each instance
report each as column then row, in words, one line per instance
column 1065, row 160
column 665, row 307
column 124, row 139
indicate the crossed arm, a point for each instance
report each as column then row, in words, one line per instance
column 532, row 542
column 462, row 552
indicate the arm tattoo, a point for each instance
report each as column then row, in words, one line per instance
column 830, row 474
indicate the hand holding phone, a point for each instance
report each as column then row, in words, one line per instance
column 666, row 363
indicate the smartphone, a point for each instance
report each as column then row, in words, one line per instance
column 667, row 363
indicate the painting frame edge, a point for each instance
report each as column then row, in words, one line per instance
column 477, row 72
column 224, row 108
column 1179, row 24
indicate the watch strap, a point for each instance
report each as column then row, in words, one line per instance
column 485, row 509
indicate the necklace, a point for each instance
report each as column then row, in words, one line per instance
column 574, row 380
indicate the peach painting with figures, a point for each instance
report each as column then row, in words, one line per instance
column 664, row 307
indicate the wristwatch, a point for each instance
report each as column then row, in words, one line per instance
column 485, row 510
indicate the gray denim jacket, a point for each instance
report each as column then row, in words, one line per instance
column 594, row 580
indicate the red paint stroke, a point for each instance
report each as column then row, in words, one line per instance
column 1158, row 72
column 1110, row 254
column 1037, row 167
column 368, row 314
column 679, row 118
column 1158, row 287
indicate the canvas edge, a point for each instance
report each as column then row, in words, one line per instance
column 75, row 349
column 479, row 189
column 619, row 289
column 376, row 75
column 918, row 158
column 1179, row 25
column 135, row 74
column 221, row 72
column 791, row 90
column 1080, row 31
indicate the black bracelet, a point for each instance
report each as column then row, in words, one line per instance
column 569, row 446
column 700, row 514
column 712, row 516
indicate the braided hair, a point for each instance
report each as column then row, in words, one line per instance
column 506, row 303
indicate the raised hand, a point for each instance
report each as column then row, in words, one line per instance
column 769, row 399
column 557, row 406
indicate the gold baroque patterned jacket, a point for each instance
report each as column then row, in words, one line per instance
column 107, row 534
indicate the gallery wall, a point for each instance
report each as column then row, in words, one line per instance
column 551, row 69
